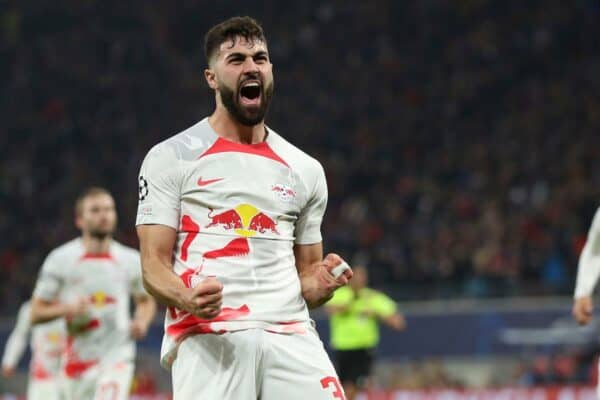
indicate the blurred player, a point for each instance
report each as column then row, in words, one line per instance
column 229, row 224
column 588, row 272
column 89, row 281
column 47, row 345
column 356, row 311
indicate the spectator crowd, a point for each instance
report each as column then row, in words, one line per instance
column 461, row 140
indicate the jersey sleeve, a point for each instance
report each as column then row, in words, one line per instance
column 17, row 341
column 50, row 279
column 308, row 225
column 136, row 285
column 383, row 305
column 159, row 188
column 588, row 269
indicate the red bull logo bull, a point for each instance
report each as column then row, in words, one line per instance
column 101, row 299
column 245, row 220
column 229, row 219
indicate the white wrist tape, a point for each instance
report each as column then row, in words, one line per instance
column 337, row 271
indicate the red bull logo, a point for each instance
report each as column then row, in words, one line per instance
column 229, row 219
column 54, row 337
column 284, row 192
column 101, row 299
column 245, row 220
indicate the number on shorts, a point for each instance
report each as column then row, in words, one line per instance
column 332, row 381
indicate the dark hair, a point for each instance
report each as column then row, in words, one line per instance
column 245, row 27
column 89, row 192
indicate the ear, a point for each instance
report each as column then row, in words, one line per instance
column 78, row 222
column 211, row 78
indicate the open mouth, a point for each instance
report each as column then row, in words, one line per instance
column 250, row 93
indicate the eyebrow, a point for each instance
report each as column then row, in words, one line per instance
column 259, row 53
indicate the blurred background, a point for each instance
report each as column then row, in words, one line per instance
column 460, row 139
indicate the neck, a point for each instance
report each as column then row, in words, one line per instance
column 93, row 245
column 226, row 127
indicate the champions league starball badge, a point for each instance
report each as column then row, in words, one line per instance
column 143, row 188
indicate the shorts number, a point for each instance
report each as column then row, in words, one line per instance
column 332, row 381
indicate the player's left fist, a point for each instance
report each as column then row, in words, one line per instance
column 583, row 310
column 138, row 329
column 338, row 272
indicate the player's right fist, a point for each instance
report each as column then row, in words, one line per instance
column 583, row 309
column 206, row 298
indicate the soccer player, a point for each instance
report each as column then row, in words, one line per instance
column 229, row 225
column 588, row 272
column 356, row 311
column 88, row 282
column 47, row 344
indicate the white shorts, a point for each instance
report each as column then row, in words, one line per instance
column 100, row 383
column 44, row 389
column 254, row 364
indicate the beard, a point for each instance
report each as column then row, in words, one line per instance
column 100, row 234
column 243, row 115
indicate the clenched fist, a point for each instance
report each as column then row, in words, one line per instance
column 583, row 309
column 318, row 282
column 205, row 299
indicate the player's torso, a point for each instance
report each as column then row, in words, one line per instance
column 103, row 282
column 238, row 195
column 239, row 206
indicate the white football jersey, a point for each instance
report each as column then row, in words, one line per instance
column 107, row 282
column 588, row 270
column 47, row 345
column 238, row 210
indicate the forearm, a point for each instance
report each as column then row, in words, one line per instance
column 395, row 321
column 162, row 283
column 337, row 309
column 144, row 310
column 42, row 311
column 314, row 294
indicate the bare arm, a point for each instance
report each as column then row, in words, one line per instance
column 588, row 272
column 395, row 321
column 44, row 310
column 583, row 310
column 145, row 308
column 156, row 248
column 316, row 280
column 338, row 309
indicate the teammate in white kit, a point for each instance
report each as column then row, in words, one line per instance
column 89, row 281
column 588, row 272
column 229, row 225
column 47, row 345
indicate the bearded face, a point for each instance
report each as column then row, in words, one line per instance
column 247, row 102
column 244, row 79
column 98, row 216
